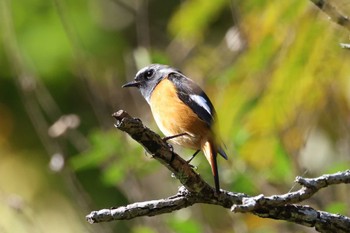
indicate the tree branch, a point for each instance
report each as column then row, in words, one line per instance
column 333, row 12
column 310, row 187
column 196, row 190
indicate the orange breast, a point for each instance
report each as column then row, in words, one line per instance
column 174, row 117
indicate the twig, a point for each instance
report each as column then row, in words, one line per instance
column 181, row 200
column 345, row 46
column 195, row 190
column 147, row 208
column 333, row 12
column 310, row 187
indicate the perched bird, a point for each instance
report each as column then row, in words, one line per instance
column 182, row 111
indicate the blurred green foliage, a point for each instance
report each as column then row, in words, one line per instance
column 274, row 69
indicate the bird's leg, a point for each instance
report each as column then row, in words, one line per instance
column 174, row 136
column 194, row 155
column 165, row 139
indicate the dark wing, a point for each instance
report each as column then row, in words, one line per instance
column 194, row 97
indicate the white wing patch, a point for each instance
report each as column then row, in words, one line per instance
column 201, row 102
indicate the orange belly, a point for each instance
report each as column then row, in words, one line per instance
column 174, row 117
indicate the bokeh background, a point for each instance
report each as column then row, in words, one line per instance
column 274, row 70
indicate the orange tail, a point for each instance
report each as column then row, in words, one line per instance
column 210, row 152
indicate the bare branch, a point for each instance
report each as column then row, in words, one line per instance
column 345, row 46
column 325, row 180
column 181, row 200
column 147, row 208
column 196, row 190
column 333, row 12
column 310, row 187
column 307, row 216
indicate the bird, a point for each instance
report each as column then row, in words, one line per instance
column 182, row 111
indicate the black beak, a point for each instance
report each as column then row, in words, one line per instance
column 132, row 84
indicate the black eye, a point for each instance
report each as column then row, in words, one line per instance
column 149, row 74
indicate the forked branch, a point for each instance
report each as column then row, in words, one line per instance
column 195, row 190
